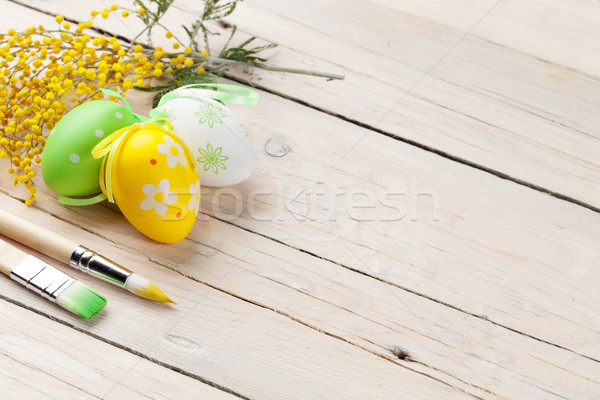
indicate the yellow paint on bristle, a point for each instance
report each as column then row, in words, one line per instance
column 152, row 292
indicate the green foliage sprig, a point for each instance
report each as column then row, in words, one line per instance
column 150, row 12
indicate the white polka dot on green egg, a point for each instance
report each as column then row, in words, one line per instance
column 99, row 132
column 118, row 115
column 74, row 157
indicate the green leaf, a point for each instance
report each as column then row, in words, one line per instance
column 247, row 55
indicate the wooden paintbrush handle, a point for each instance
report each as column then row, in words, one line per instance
column 36, row 237
column 10, row 257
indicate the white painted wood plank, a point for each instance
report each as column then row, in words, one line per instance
column 40, row 358
column 345, row 222
column 466, row 352
column 564, row 33
column 481, row 102
column 487, row 101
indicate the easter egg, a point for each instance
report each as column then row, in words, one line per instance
column 155, row 184
column 219, row 142
column 68, row 167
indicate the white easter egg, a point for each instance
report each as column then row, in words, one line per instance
column 219, row 142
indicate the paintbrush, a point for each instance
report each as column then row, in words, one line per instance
column 49, row 282
column 62, row 249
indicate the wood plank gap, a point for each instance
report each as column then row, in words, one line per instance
column 483, row 317
column 125, row 348
column 421, row 146
column 483, row 90
column 406, row 356
column 393, row 360
column 397, row 352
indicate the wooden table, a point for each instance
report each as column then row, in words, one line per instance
column 428, row 228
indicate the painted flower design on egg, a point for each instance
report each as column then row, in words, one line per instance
column 193, row 204
column 158, row 197
column 174, row 152
column 212, row 158
column 210, row 114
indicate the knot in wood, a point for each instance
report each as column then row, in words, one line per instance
column 400, row 353
column 277, row 147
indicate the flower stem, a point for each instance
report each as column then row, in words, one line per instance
column 217, row 60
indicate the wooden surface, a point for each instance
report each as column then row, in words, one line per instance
column 428, row 228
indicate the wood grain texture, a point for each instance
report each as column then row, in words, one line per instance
column 40, row 358
column 210, row 339
column 455, row 284
column 546, row 29
column 519, row 106
column 238, row 345
column 504, row 246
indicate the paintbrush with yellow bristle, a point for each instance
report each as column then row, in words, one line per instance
column 62, row 249
column 49, row 282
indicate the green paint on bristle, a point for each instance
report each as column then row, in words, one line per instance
column 81, row 300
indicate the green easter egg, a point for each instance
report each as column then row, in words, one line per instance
column 68, row 167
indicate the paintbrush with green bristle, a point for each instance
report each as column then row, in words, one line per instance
column 49, row 282
column 63, row 249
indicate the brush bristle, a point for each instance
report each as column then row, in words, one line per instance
column 81, row 300
column 141, row 286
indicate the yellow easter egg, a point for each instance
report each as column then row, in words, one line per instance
column 155, row 183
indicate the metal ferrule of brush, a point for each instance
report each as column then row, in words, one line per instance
column 94, row 264
column 41, row 277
